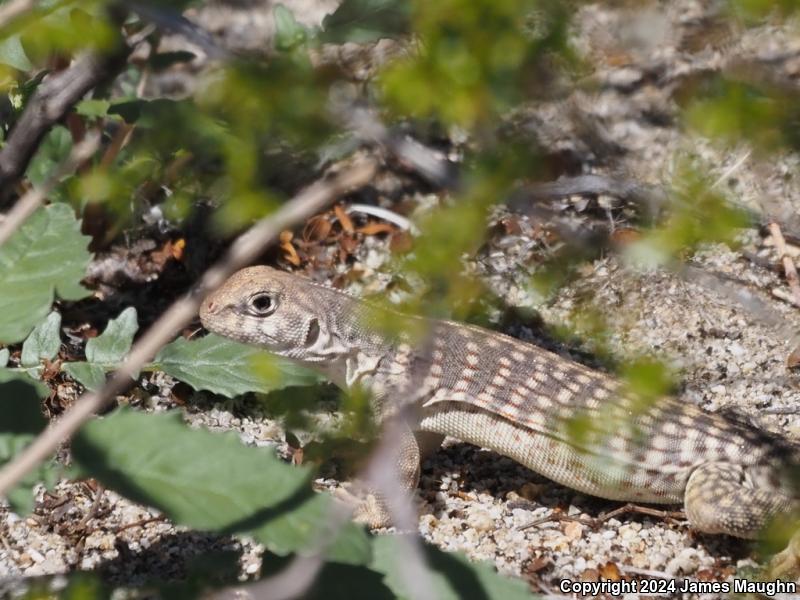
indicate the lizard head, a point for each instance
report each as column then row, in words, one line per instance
column 268, row 308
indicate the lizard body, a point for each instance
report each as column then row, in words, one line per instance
column 572, row 424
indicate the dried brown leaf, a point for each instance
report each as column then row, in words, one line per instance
column 348, row 244
column 290, row 254
column 511, row 226
column 610, row 571
column 376, row 227
column 793, row 361
column 625, row 236
column 317, row 229
column 177, row 248
column 705, row 575
column 537, row 564
column 344, row 219
column 401, row 242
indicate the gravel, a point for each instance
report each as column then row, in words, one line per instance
column 726, row 354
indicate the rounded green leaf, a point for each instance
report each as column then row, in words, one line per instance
column 47, row 255
column 229, row 368
column 210, row 481
column 44, row 341
column 452, row 575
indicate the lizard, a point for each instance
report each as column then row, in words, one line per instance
column 576, row 426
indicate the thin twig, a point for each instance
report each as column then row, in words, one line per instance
column 788, row 263
column 33, row 198
column 242, row 252
column 782, row 294
column 90, row 514
column 382, row 475
column 140, row 523
column 731, row 170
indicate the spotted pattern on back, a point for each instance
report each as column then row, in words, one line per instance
column 572, row 424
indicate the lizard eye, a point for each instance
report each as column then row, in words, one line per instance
column 261, row 305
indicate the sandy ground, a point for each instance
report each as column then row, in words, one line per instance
column 719, row 327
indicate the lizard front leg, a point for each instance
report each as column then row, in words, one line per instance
column 411, row 449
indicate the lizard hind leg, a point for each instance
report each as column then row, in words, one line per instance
column 720, row 498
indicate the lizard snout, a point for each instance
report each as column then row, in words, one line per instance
column 209, row 308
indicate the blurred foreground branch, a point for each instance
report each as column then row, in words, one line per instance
column 10, row 11
column 33, row 198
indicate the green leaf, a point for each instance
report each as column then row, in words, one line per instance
column 110, row 347
column 226, row 367
column 20, row 407
column 106, row 351
column 90, row 376
column 452, row 575
column 336, row 581
column 53, row 150
column 145, row 113
column 305, row 525
column 44, row 341
column 80, row 585
column 93, row 108
column 209, row 481
column 22, row 421
column 210, row 570
column 363, row 21
column 288, row 32
column 4, row 356
column 13, row 54
column 46, row 255
column 7, row 375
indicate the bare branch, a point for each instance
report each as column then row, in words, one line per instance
column 382, row 475
column 33, row 198
column 49, row 104
column 242, row 252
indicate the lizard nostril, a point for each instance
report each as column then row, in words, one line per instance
column 210, row 306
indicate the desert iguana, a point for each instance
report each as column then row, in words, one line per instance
column 577, row 426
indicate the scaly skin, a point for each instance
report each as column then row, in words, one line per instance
column 574, row 425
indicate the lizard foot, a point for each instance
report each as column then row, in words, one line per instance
column 369, row 511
